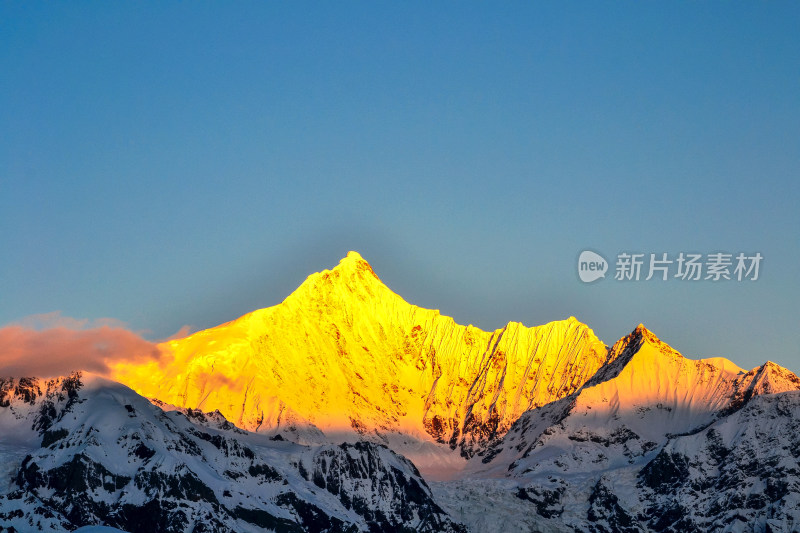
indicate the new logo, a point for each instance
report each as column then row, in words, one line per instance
column 591, row 266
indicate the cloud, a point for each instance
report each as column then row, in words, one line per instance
column 55, row 319
column 184, row 331
column 51, row 345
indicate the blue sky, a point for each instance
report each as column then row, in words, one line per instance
column 166, row 164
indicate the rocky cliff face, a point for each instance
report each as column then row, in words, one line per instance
column 88, row 451
column 346, row 355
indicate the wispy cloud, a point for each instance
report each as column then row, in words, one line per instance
column 184, row 331
column 51, row 344
column 55, row 319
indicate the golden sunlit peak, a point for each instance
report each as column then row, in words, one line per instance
column 353, row 263
column 352, row 256
column 648, row 336
column 651, row 338
column 344, row 354
column 351, row 274
column 652, row 352
column 635, row 343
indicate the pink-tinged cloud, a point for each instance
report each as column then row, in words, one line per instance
column 55, row 319
column 59, row 351
column 184, row 331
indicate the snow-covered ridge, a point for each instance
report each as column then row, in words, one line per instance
column 541, row 429
column 107, row 456
column 630, row 444
column 648, row 390
column 346, row 356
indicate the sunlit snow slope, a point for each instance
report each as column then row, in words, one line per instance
column 348, row 356
column 649, row 394
column 653, row 442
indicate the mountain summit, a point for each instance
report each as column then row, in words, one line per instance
column 343, row 355
column 518, row 429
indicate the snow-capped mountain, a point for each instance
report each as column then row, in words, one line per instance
column 314, row 415
column 653, row 442
column 345, row 356
column 82, row 450
column 633, row 405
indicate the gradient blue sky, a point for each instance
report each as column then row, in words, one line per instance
column 184, row 163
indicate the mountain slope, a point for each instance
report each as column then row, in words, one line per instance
column 346, row 355
column 742, row 473
column 96, row 453
column 648, row 394
column 653, row 442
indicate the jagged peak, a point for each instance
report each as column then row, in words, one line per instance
column 720, row 363
column 772, row 365
column 353, row 275
column 665, row 349
column 629, row 349
column 632, row 343
column 648, row 336
column 643, row 353
column 353, row 262
column 772, row 377
column 644, row 335
column 352, row 256
column 351, row 268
